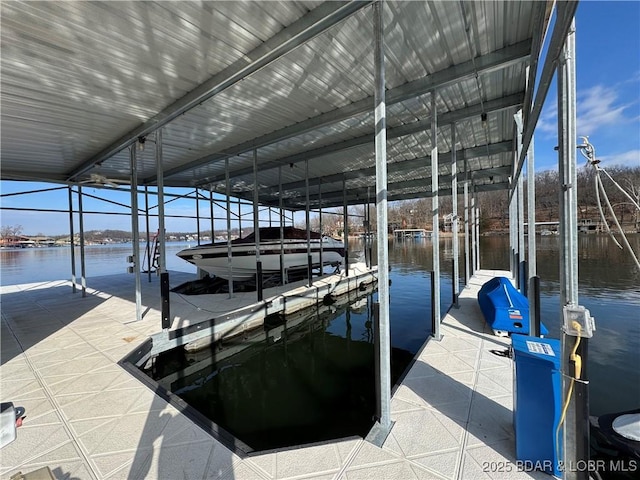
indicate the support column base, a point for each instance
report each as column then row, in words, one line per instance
column 379, row 433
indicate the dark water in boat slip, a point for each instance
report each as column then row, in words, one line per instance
column 300, row 371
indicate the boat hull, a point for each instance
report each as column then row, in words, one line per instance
column 215, row 259
column 617, row 456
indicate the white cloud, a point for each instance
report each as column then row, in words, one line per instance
column 598, row 107
column 630, row 158
column 548, row 122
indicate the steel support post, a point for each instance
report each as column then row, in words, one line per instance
column 454, row 213
column 576, row 423
column 201, row 272
column 534, row 314
column 213, row 236
column 369, row 243
column 283, row 279
column 197, row 214
column 72, row 242
column 229, row 251
column 306, row 216
column 165, row 318
column 477, row 230
column 473, row 230
column 256, row 224
column 435, row 219
column 512, row 224
column 345, row 228
column 146, row 222
column 83, row 278
column 519, row 206
column 522, row 281
column 383, row 373
column 320, row 225
column 135, row 229
column 467, row 266
column 162, row 259
column 239, row 218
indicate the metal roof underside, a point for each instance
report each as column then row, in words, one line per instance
column 82, row 81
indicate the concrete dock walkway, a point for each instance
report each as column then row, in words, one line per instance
column 87, row 418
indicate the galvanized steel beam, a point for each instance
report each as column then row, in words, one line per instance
column 162, row 241
column 256, row 226
column 282, row 220
column 467, row 262
column 520, row 209
column 576, row 422
column 491, row 106
column 296, row 204
column 345, row 223
column 491, row 62
column 358, row 193
column 71, row 241
column 325, row 16
column 477, row 229
column 512, row 247
column 474, row 244
column 405, row 166
column 83, row 277
column 435, row 219
column 454, row 214
column 531, row 238
column 565, row 13
column 540, row 13
column 135, row 230
column 383, row 333
column 229, row 246
column 308, row 224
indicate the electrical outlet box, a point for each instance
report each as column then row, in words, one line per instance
column 579, row 314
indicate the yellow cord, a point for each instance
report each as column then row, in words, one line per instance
column 577, row 360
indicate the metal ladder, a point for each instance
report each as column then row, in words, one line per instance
column 154, row 256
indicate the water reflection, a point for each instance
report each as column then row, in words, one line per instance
column 603, row 268
column 305, row 379
column 26, row 265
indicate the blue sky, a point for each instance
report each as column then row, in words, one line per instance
column 608, row 86
column 608, row 89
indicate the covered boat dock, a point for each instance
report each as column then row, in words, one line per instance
column 300, row 106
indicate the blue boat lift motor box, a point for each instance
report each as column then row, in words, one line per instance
column 537, row 401
column 505, row 309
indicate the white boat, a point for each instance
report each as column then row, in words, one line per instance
column 213, row 257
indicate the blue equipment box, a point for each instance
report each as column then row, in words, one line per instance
column 504, row 308
column 537, row 401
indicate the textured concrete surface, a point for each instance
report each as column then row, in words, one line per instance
column 89, row 419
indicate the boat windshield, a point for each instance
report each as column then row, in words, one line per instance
column 273, row 233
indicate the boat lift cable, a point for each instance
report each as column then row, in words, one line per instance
column 588, row 151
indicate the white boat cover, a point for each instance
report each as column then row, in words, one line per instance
column 628, row 426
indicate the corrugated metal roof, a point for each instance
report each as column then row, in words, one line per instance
column 83, row 78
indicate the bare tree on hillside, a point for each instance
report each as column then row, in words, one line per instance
column 547, row 196
column 10, row 231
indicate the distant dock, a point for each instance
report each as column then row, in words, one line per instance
column 411, row 233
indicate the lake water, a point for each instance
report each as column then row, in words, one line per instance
column 609, row 286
